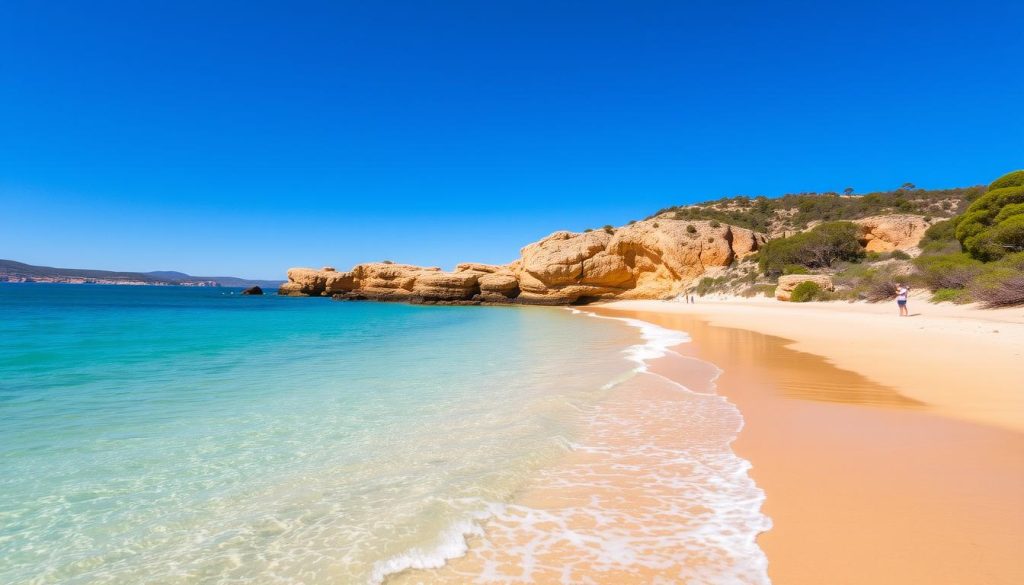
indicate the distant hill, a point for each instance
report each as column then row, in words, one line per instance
column 11, row 271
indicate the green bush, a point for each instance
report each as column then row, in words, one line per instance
column 1014, row 179
column 957, row 296
column 817, row 248
column 868, row 283
column 714, row 223
column 690, row 229
column 608, row 229
column 944, row 230
column 755, row 290
column 805, row 291
column 993, row 225
column 709, row 285
column 795, row 269
column 948, row 270
column 1002, row 283
column 899, row 255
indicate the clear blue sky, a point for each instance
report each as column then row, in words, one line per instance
column 244, row 138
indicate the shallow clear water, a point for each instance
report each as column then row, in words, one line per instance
column 187, row 435
column 180, row 435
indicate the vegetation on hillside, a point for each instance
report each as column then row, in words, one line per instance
column 820, row 247
column 796, row 212
column 977, row 256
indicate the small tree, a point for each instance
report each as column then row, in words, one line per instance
column 848, row 191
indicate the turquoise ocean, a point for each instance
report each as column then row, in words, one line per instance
column 195, row 435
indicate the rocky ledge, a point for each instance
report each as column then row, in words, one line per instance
column 650, row 259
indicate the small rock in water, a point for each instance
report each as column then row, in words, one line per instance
column 253, row 290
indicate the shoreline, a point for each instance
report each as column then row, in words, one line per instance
column 866, row 482
column 634, row 500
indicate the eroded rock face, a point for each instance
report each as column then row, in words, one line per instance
column 790, row 281
column 885, row 233
column 649, row 259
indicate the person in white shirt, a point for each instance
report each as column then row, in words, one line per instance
column 901, row 298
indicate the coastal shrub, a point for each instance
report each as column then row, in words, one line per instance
column 899, row 255
column 608, row 229
column 1001, row 284
column 708, row 285
column 714, row 223
column 795, row 269
column 691, row 229
column 757, row 290
column 943, row 230
column 993, row 224
column 655, row 224
column 955, row 271
column 868, row 283
column 387, row 261
column 820, row 247
column 805, row 291
column 957, row 296
column 880, row 289
column 588, row 230
column 940, row 238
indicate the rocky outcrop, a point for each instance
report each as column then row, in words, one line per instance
column 253, row 290
column 790, row 281
column 885, row 233
column 648, row 259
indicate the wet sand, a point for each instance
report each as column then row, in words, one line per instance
column 865, row 484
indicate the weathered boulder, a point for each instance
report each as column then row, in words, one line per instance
column 885, row 233
column 253, row 290
column 648, row 259
column 789, row 282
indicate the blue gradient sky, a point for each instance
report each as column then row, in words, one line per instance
column 244, row 138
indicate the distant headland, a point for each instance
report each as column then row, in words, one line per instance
column 11, row 271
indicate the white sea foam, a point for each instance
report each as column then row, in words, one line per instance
column 657, row 339
column 451, row 544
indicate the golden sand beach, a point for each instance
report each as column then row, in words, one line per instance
column 891, row 450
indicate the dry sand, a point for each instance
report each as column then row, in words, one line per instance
column 891, row 450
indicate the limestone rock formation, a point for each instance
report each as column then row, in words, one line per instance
column 790, row 281
column 648, row 259
column 885, row 233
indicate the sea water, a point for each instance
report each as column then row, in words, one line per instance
column 195, row 435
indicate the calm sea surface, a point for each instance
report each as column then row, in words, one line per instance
column 189, row 435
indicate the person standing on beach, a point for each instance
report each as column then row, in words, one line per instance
column 901, row 298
